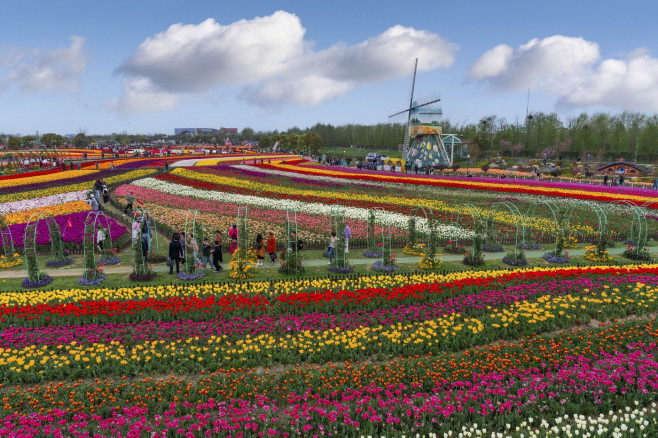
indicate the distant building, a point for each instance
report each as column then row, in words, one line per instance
column 622, row 167
column 195, row 131
column 204, row 131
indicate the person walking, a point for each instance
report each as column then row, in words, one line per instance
column 332, row 247
column 271, row 246
column 348, row 236
column 175, row 250
column 621, row 180
column 195, row 249
column 146, row 231
column 217, row 256
column 233, row 236
column 100, row 238
column 111, row 165
column 605, row 180
column 259, row 249
column 129, row 199
column 206, row 251
column 136, row 230
column 655, row 183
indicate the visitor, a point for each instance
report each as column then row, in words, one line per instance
column 167, row 165
column 136, row 229
column 293, row 241
column 233, row 236
column 206, row 250
column 175, row 250
column 332, row 247
column 63, row 165
column 259, row 249
column 195, row 249
column 183, row 243
column 96, row 165
column 106, row 195
column 129, row 207
column 621, row 180
column 100, row 239
column 78, row 166
column 98, row 190
column 417, row 166
column 111, row 165
column 655, row 183
column 271, row 245
column 605, row 180
column 146, row 231
column 348, row 236
column 217, row 256
column 176, row 234
column 145, row 250
column 614, row 181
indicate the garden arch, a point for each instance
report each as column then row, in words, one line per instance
column 424, row 212
column 34, row 276
column 193, row 230
column 372, row 250
column 530, row 226
column 7, row 239
column 601, row 217
column 519, row 222
column 292, row 262
column 639, row 227
column 337, row 224
column 93, row 221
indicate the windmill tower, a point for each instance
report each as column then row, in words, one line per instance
column 423, row 130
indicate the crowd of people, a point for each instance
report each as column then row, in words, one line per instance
column 209, row 254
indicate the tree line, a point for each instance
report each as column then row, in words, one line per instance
column 599, row 136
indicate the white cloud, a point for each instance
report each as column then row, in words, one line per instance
column 37, row 71
column 271, row 61
column 572, row 70
column 141, row 96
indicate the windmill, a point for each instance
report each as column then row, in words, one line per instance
column 424, row 125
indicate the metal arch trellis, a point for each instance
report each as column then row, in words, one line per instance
column 529, row 225
column 430, row 219
column 90, row 234
column 56, row 244
column 374, row 214
column 193, row 230
column 601, row 216
column 337, row 224
column 7, row 239
column 518, row 220
column 30, row 248
column 478, row 228
column 639, row 229
column 385, row 230
column 291, row 264
column 140, row 265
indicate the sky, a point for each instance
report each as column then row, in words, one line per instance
column 151, row 66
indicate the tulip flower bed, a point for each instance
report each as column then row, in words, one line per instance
column 71, row 236
column 556, row 189
column 211, row 180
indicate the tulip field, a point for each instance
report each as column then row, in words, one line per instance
column 505, row 350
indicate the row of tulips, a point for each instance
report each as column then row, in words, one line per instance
column 404, row 204
column 482, row 388
column 32, row 191
column 451, row 332
column 262, row 219
column 560, row 189
column 52, row 177
column 313, row 289
column 256, row 315
column 8, row 208
column 207, row 191
column 51, row 210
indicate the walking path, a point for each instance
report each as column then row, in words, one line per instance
column 126, row 267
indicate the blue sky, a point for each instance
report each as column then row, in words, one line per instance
column 149, row 67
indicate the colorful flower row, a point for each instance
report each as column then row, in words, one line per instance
column 394, row 219
column 54, row 210
column 580, row 191
column 73, row 185
column 46, row 201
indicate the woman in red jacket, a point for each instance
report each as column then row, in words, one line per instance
column 271, row 246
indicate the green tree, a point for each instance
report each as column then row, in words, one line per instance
column 313, row 141
column 28, row 140
column 81, row 140
column 14, row 142
column 247, row 134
